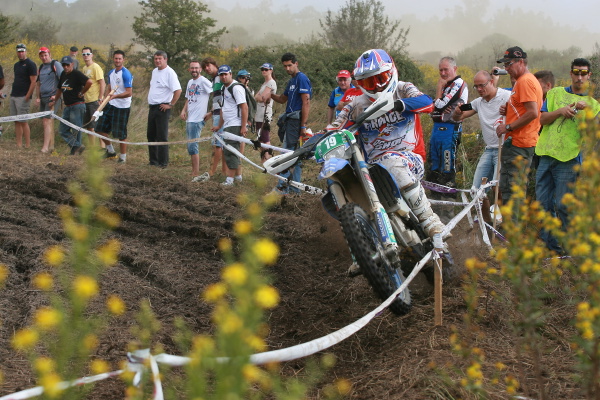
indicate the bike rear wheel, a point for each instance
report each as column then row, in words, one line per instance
column 366, row 246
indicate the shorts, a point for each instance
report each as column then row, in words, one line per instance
column 193, row 130
column 45, row 107
column 216, row 118
column 232, row 160
column 18, row 106
column 90, row 109
column 265, row 134
column 114, row 120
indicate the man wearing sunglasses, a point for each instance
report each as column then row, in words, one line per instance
column 522, row 118
column 94, row 96
column 559, row 146
column 487, row 106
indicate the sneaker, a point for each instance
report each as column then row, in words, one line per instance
column 201, row 178
column 74, row 150
column 238, row 178
column 121, row 160
column 279, row 192
column 227, row 184
column 80, row 149
column 108, row 154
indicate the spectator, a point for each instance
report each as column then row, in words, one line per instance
column 115, row 115
column 349, row 95
column 244, row 77
column 47, row 84
column 72, row 85
column 487, row 106
column 292, row 124
column 522, row 118
column 344, row 83
column 264, row 109
column 546, row 80
column 22, row 92
column 451, row 91
column 2, row 95
column 195, row 113
column 209, row 65
column 73, row 54
column 559, row 145
column 95, row 95
column 165, row 90
column 234, row 119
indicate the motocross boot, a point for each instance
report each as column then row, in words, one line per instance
column 419, row 204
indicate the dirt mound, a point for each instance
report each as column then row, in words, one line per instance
column 169, row 232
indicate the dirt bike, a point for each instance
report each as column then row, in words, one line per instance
column 383, row 234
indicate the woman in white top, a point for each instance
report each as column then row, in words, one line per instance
column 264, row 108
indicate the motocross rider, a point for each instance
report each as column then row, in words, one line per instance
column 393, row 140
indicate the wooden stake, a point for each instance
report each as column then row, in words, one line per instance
column 437, row 280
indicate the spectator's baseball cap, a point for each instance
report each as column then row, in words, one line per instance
column 44, row 50
column 513, row 53
column 224, row 69
column 66, row 60
column 21, row 47
column 73, row 48
column 344, row 74
column 243, row 73
column 266, row 66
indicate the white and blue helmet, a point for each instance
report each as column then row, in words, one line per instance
column 375, row 73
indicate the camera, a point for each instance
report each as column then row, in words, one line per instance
column 499, row 72
column 466, row 107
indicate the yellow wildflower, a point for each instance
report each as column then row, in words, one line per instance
column 343, row 386
column 224, row 245
column 54, row 256
column 215, row 292
column 267, row 297
column 90, row 341
column 44, row 365
column 108, row 253
column 107, row 217
column 242, row 227
column 266, row 251
column 25, row 339
column 47, row 318
column 254, row 209
column 85, row 287
column 257, row 343
column 3, row 273
column 43, row 281
column 115, row 305
column 251, row 373
column 99, row 367
column 231, row 323
column 51, row 384
column 235, row 274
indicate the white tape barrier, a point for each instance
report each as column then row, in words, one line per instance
column 25, row 117
column 301, row 186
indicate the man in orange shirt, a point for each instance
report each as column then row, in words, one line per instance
column 522, row 118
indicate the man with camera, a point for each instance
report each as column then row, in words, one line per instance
column 487, row 106
column 559, row 145
column 522, row 118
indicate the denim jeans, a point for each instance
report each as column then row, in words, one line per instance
column 193, row 130
column 486, row 167
column 553, row 179
column 73, row 114
column 290, row 142
column 509, row 170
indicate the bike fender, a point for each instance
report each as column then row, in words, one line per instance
column 332, row 166
column 390, row 180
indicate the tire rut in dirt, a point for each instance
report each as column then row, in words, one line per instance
column 362, row 238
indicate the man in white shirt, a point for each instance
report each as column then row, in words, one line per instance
column 488, row 108
column 234, row 119
column 165, row 90
column 195, row 113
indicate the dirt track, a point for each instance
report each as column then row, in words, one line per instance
column 169, row 233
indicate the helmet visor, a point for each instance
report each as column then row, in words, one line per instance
column 376, row 83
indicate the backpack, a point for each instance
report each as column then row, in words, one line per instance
column 250, row 100
column 53, row 66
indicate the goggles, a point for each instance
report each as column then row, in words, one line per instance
column 376, row 83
